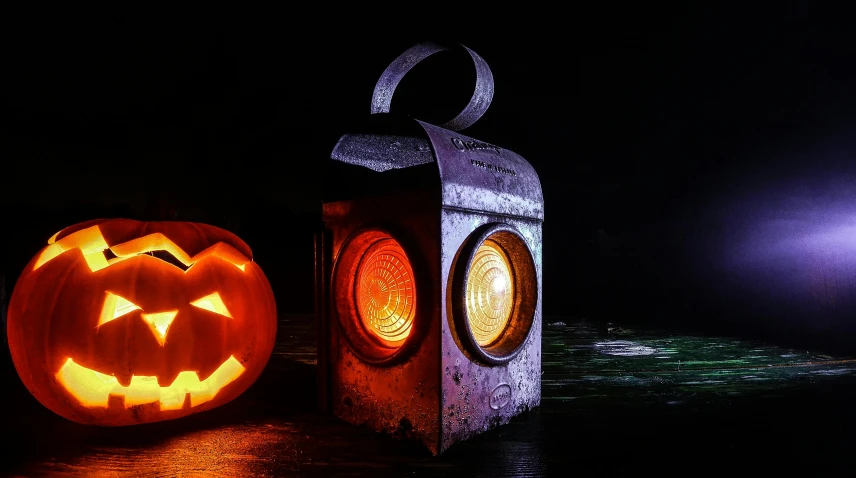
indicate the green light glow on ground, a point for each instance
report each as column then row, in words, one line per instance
column 593, row 367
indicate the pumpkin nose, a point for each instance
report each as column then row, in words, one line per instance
column 159, row 323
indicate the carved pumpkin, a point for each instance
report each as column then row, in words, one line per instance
column 119, row 322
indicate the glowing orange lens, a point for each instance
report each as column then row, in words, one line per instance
column 386, row 297
column 490, row 293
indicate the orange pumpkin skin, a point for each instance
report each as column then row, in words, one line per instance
column 105, row 329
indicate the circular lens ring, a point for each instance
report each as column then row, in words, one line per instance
column 503, row 343
column 385, row 293
column 355, row 257
column 490, row 293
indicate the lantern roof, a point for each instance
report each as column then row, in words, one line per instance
column 394, row 154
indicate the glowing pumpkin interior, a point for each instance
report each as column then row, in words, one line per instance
column 385, row 293
column 490, row 293
column 93, row 388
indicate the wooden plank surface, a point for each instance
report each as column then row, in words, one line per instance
column 615, row 401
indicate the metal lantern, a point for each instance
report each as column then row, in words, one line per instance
column 428, row 273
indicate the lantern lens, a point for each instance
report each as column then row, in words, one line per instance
column 385, row 293
column 490, row 293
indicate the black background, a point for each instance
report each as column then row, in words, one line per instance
column 641, row 122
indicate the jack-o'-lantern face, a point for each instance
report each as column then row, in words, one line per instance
column 119, row 322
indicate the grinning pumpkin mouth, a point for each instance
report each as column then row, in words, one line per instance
column 93, row 389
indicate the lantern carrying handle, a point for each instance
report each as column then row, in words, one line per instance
column 399, row 67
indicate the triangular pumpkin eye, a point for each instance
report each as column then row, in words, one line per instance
column 116, row 306
column 213, row 303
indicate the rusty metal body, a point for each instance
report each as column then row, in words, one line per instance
column 439, row 194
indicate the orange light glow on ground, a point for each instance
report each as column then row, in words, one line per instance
column 385, row 292
column 93, row 389
column 490, row 293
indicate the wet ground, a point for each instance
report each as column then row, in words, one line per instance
column 615, row 401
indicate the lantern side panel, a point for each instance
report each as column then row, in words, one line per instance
column 478, row 396
column 398, row 396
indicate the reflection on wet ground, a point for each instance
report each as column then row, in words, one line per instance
column 613, row 400
column 582, row 364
